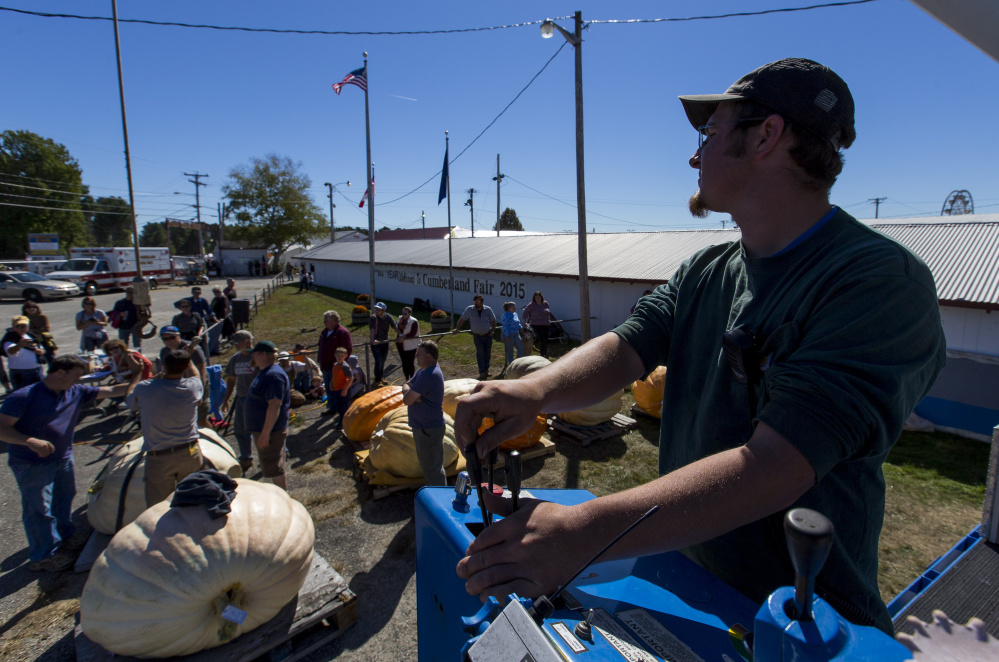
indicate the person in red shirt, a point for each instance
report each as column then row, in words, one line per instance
column 331, row 338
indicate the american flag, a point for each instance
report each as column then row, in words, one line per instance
column 365, row 196
column 356, row 77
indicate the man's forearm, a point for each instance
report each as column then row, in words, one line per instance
column 588, row 375
column 704, row 499
column 12, row 436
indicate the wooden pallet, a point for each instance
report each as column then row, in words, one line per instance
column 638, row 411
column 586, row 435
column 323, row 610
column 545, row 446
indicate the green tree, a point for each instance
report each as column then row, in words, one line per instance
column 110, row 221
column 182, row 241
column 41, row 190
column 508, row 221
column 269, row 202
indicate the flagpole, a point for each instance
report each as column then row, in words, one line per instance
column 371, row 188
column 450, row 234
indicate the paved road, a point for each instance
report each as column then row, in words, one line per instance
column 62, row 314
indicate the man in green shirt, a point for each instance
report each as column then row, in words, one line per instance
column 841, row 338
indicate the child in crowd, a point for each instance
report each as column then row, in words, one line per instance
column 317, row 391
column 343, row 379
column 510, row 333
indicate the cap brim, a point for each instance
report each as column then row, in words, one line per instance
column 700, row 107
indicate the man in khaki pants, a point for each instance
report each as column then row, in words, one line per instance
column 168, row 409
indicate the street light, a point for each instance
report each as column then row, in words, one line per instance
column 548, row 28
column 332, row 188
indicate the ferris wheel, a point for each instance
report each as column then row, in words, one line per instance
column 958, row 202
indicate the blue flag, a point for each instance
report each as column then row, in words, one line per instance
column 444, row 176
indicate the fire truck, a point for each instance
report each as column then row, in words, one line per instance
column 97, row 269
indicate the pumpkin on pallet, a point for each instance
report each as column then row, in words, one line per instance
column 594, row 414
column 648, row 392
column 525, row 365
column 454, row 391
column 394, row 450
column 161, row 587
column 364, row 413
column 123, row 477
column 525, row 440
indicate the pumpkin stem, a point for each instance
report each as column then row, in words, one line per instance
column 231, row 596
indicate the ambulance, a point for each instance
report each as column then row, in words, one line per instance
column 97, row 269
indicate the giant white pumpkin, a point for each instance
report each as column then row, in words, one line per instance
column 594, row 414
column 393, row 448
column 454, row 391
column 162, row 584
column 525, row 365
column 117, row 480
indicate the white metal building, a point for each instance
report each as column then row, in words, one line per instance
column 962, row 252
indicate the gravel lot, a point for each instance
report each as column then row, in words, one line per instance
column 371, row 543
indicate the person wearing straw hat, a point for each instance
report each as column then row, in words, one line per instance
column 24, row 354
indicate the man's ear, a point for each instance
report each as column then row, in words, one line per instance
column 767, row 136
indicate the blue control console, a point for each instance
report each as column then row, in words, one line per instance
column 654, row 608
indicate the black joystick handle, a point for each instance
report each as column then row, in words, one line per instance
column 514, row 473
column 809, row 538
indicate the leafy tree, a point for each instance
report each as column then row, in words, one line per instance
column 43, row 178
column 508, row 221
column 110, row 221
column 269, row 202
column 182, row 240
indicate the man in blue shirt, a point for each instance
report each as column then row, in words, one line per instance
column 266, row 412
column 424, row 396
column 38, row 422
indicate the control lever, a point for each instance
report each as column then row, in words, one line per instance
column 492, row 458
column 462, row 488
column 514, row 473
column 475, row 469
column 809, row 538
column 543, row 606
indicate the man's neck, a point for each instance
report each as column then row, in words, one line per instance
column 770, row 227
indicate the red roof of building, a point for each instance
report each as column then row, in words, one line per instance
column 419, row 233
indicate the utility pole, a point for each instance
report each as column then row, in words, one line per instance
column 470, row 203
column 424, row 215
column 877, row 204
column 197, row 205
column 332, row 224
column 223, row 210
column 498, row 178
column 124, row 131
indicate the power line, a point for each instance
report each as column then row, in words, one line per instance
column 13, row 204
column 762, row 12
column 433, row 32
column 588, row 212
column 434, row 176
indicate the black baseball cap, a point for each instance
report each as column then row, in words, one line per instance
column 807, row 93
column 265, row 346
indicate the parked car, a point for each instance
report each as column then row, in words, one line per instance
column 26, row 285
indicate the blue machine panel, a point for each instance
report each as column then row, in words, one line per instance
column 650, row 609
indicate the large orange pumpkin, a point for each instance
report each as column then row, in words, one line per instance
column 363, row 415
column 525, row 440
column 648, row 392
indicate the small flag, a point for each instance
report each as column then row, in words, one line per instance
column 444, row 176
column 357, row 77
column 365, row 196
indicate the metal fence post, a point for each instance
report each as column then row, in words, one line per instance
column 254, row 304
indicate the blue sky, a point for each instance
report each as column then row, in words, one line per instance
column 207, row 101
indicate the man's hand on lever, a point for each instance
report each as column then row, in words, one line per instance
column 530, row 552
